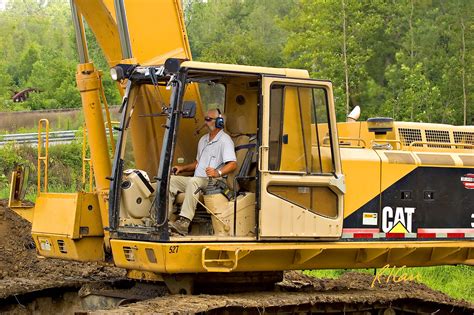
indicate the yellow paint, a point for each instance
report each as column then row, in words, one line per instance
column 202, row 257
column 85, row 249
column 70, row 211
column 76, row 223
column 361, row 168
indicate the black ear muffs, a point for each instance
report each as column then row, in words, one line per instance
column 219, row 120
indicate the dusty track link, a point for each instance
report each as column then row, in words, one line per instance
column 350, row 302
column 351, row 294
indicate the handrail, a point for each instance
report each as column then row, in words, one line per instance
column 86, row 160
column 326, row 142
column 222, row 264
column 43, row 159
column 353, row 139
column 260, row 158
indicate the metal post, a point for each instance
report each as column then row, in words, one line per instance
column 80, row 34
column 122, row 25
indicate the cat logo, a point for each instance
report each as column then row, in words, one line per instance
column 398, row 221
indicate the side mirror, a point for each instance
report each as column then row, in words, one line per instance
column 189, row 109
column 18, row 185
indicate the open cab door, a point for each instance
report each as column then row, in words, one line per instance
column 301, row 181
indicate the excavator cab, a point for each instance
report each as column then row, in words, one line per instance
column 288, row 164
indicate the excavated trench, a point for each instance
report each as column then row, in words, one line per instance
column 33, row 285
column 80, row 297
column 293, row 295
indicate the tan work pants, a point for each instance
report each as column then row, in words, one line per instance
column 188, row 185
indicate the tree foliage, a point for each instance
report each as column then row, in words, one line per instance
column 37, row 49
column 408, row 59
column 404, row 58
column 239, row 32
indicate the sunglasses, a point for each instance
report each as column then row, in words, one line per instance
column 207, row 118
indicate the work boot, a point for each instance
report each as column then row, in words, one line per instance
column 180, row 226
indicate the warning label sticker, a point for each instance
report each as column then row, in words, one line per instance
column 45, row 244
column 369, row 218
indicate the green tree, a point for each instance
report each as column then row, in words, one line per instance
column 6, row 81
column 328, row 37
column 236, row 31
column 39, row 51
column 409, row 59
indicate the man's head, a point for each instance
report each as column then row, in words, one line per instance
column 212, row 115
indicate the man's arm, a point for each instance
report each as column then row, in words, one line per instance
column 185, row 168
column 229, row 167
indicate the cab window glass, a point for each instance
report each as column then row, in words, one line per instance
column 299, row 130
column 212, row 96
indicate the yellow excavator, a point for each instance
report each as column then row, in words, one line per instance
column 308, row 192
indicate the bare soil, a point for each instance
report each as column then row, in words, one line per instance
column 21, row 270
column 304, row 294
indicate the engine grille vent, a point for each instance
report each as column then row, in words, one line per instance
column 409, row 135
column 441, row 136
column 62, row 246
column 436, row 137
column 463, row 137
column 128, row 252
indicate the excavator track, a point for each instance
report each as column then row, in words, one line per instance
column 297, row 293
column 31, row 284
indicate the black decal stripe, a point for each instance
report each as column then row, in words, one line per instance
column 450, row 205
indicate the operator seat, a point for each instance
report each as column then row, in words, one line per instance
column 236, row 128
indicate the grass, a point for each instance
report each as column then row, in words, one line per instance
column 27, row 122
column 31, row 193
column 455, row 281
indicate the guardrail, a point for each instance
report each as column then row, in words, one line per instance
column 55, row 137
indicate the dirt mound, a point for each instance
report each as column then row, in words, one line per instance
column 21, row 270
column 362, row 282
column 350, row 294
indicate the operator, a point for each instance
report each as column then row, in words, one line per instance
column 215, row 158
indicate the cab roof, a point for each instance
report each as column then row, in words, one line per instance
column 282, row 72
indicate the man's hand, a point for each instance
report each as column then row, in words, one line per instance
column 177, row 169
column 212, row 172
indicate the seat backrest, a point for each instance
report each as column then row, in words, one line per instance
column 241, row 131
column 240, row 154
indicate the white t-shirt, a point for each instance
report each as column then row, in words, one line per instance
column 215, row 153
